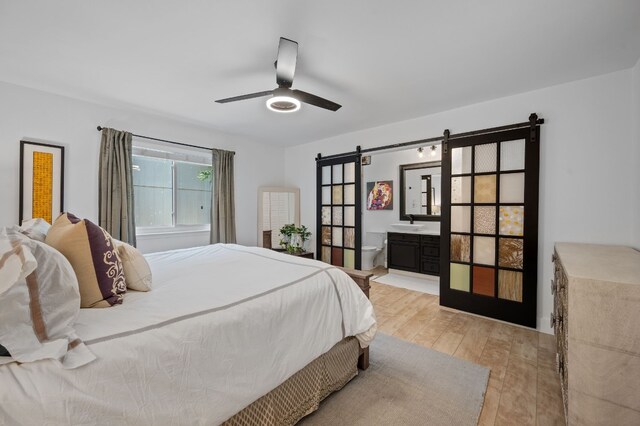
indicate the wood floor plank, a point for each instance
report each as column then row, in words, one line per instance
column 471, row 346
column 406, row 310
column 546, row 341
column 519, row 393
column 523, row 388
column 525, row 345
column 425, row 311
column 491, row 401
column 549, row 408
column 495, row 356
column 503, row 331
column 431, row 331
column 448, row 342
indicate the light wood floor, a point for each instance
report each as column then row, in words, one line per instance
column 524, row 388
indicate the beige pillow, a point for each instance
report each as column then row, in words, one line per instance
column 92, row 255
column 137, row 273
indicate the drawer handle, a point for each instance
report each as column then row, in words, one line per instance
column 559, row 363
column 553, row 319
column 553, row 286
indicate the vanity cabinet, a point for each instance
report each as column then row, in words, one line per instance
column 414, row 253
column 430, row 254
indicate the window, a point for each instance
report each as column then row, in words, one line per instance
column 172, row 191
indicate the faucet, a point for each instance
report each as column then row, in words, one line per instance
column 410, row 218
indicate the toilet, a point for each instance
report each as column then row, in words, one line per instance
column 374, row 242
column 369, row 254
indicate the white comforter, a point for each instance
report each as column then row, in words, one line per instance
column 223, row 325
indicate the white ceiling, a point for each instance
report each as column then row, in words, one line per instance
column 383, row 61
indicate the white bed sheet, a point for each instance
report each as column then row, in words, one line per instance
column 223, row 325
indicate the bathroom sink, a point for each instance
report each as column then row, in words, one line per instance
column 407, row 227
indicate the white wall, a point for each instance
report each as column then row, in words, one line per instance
column 635, row 185
column 586, row 162
column 40, row 116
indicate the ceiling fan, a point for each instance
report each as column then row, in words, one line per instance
column 284, row 98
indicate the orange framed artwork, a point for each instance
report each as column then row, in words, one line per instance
column 41, row 181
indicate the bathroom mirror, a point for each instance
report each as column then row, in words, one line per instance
column 420, row 195
column 277, row 206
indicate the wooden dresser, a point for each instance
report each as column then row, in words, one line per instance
column 597, row 326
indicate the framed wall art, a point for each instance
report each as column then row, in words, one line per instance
column 380, row 195
column 41, row 181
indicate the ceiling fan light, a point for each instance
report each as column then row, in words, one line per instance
column 283, row 104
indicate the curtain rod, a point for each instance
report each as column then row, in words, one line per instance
column 168, row 141
column 539, row 121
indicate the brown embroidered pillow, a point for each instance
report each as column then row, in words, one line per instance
column 93, row 256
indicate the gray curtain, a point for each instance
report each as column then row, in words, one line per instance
column 115, row 186
column 223, row 210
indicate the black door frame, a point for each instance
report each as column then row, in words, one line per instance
column 320, row 163
column 525, row 312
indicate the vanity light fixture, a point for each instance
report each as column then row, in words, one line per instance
column 420, row 153
column 433, row 150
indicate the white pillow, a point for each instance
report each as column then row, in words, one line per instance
column 39, row 303
column 137, row 273
column 35, row 228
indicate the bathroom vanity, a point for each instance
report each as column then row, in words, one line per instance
column 414, row 252
column 415, row 247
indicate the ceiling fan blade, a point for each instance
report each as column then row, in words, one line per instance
column 286, row 62
column 308, row 98
column 243, row 97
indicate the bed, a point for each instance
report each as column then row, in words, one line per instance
column 225, row 329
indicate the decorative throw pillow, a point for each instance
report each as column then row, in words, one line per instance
column 39, row 303
column 35, row 228
column 92, row 255
column 137, row 273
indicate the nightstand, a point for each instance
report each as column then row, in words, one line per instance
column 307, row 254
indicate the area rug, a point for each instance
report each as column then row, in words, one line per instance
column 407, row 384
column 424, row 285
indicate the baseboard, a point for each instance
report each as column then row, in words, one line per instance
column 544, row 326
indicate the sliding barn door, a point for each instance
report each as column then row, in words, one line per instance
column 339, row 211
column 489, row 244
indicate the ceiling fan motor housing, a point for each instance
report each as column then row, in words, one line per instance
column 283, row 100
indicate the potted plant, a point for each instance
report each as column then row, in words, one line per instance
column 293, row 238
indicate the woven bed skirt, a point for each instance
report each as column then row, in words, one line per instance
column 302, row 393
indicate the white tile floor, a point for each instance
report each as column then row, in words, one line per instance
column 428, row 284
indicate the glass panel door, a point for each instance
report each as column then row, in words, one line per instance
column 490, row 225
column 338, row 211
